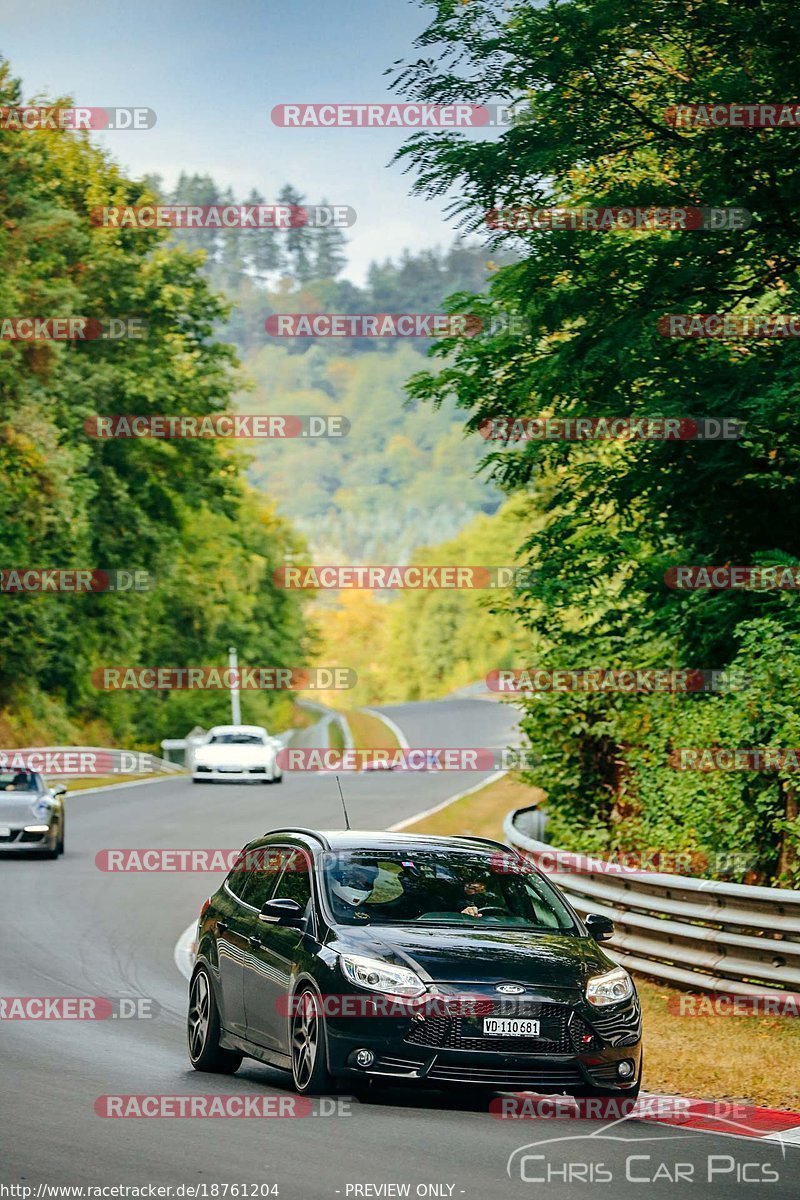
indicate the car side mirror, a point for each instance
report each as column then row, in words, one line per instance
column 281, row 912
column 58, row 789
column 600, row 928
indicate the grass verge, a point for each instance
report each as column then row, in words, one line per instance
column 96, row 781
column 750, row 1060
column 369, row 732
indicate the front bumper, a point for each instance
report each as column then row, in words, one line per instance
column 579, row 1048
column 246, row 775
column 20, row 842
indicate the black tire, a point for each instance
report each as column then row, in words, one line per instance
column 278, row 778
column 52, row 850
column 203, row 1030
column 61, row 833
column 309, row 1047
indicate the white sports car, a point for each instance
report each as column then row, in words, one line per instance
column 237, row 754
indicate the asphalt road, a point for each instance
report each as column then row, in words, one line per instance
column 69, row 929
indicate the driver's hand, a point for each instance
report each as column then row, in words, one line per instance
column 471, row 911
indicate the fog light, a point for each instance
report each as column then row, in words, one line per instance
column 625, row 1069
column 364, row 1058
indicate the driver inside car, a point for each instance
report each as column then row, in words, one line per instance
column 478, row 897
column 23, row 781
column 351, row 885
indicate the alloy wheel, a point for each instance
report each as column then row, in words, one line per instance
column 305, row 1040
column 199, row 1015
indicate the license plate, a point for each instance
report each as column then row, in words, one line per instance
column 5, row 831
column 510, row 1027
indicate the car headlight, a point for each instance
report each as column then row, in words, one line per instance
column 610, row 988
column 377, row 976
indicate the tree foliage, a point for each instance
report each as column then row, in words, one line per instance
column 590, row 82
column 179, row 510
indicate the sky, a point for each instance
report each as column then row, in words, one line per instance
column 213, row 72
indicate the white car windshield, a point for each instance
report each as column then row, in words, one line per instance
column 237, row 739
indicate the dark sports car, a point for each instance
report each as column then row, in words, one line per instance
column 441, row 961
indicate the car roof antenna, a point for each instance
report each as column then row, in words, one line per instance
column 344, row 806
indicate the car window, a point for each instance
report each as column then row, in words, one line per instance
column 237, row 880
column 295, row 881
column 262, row 871
column 442, row 887
column 18, row 781
column 237, row 739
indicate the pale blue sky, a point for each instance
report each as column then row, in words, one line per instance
column 213, row 71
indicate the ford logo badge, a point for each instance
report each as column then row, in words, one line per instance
column 509, row 989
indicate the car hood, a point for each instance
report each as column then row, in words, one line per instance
column 488, row 956
column 28, row 810
column 233, row 755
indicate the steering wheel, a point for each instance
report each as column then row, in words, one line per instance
column 493, row 908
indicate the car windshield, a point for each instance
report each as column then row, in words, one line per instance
column 236, row 739
column 442, row 887
column 18, row 781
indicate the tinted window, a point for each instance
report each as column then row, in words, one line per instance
column 442, row 887
column 237, row 880
column 295, row 882
column 236, row 739
column 18, row 781
column 262, row 869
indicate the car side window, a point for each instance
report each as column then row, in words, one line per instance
column 262, row 873
column 295, row 882
column 238, row 881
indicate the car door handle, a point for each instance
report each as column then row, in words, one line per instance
column 255, row 942
column 222, row 926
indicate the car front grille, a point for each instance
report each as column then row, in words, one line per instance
column 556, row 1075
column 561, row 1032
column 13, row 836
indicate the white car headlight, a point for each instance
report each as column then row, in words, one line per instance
column 379, row 976
column 610, row 988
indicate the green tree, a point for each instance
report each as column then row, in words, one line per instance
column 180, row 510
column 589, row 84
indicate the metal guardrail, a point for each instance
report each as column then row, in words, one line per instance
column 79, row 762
column 699, row 933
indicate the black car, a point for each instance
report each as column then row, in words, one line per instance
column 351, row 956
column 31, row 815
